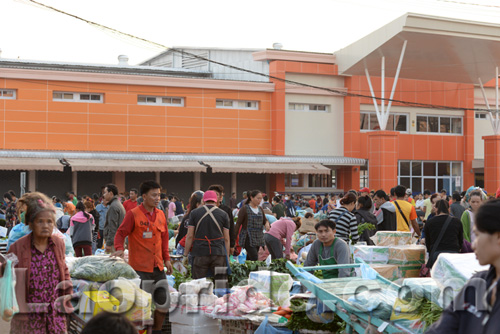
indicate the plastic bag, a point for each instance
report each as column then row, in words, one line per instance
column 102, row 269
column 378, row 302
column 17, row 232
column 8, row 300
column 266, row 328
column 367, row 272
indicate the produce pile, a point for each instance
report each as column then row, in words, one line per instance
column 299, row 319
column 101, row 269
column 241, row 272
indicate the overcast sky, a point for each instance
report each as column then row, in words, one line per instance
column 30, row 32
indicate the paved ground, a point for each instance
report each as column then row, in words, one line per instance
column 4, row 327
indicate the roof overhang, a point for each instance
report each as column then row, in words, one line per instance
column 268, row 168
column 438, row 49
column 171, row 162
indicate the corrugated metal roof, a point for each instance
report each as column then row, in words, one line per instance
column 101, row 68
column 206, row 158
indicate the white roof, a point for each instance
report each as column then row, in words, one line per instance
column 438, row 49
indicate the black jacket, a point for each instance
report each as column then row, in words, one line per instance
column 365, row 216
column 467, row 312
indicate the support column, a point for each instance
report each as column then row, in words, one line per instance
column 234, row 184
column 277, row 183
column 74, row 182
column 383, row 158
column 348, row 178
column 32, row 180
column 157, row 177
column 491, row 163
column 197, row 181
column 119, row 181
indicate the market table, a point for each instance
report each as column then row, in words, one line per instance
column 334, row 293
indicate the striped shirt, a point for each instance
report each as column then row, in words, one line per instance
column 346, row 225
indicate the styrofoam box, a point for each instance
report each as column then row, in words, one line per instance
column 186, row 329
column 181, row 316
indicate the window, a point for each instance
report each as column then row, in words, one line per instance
column 439, row 124
column 432, row 175
column 309, row 107
column 236, row 104
column 161, row 100
column 320, row 180
column 363, row 177
column 396, row 122
column 7, row 94
column 294, row 180
column 77, row 97
column 481, row 115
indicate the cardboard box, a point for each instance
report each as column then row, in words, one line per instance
column 406, row 271
column 389, row 271
column 406, row 255
column 93, row 302
column 372, row 254
column 308, row 225
column 392, row 238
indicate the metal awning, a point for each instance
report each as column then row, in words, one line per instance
column 438, row 49
column 30, row 164
column 94, row 165
column 264, row 168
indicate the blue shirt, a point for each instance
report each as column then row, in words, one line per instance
column 102, row 214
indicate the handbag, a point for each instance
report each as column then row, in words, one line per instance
column 425, row 271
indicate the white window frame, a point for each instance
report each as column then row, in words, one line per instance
column 308, row 107
column 439, row 125
column 434, row 177
column 481, row 115
column 3, row 93
column 236, row 104
column 159, row 100
column 77, row 97
column 394, row 125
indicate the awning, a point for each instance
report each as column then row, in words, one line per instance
column 263, row 168
column 477, row 163
column 30, row 164
column 438, row 49
column 94, row 165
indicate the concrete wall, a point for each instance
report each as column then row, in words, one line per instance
column 315, row 133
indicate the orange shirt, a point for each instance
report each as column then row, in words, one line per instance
column 129, row 205
column 144, row 253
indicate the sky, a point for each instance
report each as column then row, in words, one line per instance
column 31, row 32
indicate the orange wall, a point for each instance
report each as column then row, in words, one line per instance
column 34, row 121
column 414, row 146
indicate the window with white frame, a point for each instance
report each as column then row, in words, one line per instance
column 439, row 124
column 78, row 97
column 363, row 177
column 431, row 175
column 396, row 122
column 7, row 94
column 481, row 115
column 309, row 107
column 161, row 100
column 236, row 104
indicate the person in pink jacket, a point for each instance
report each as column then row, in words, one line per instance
column 280, row 231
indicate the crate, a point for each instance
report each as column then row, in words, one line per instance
column 237, row 327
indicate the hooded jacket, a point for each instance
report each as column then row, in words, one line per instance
column 386, row 217
column 81, row 229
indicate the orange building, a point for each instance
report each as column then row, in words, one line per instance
column 311, row 126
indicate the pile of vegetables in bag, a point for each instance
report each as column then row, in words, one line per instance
column 300, row 320
column 241, row 272
column 102, row 269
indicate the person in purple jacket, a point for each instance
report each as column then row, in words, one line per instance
column 275, row 238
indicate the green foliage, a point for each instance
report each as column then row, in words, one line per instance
column 299, row 319
column 240, row 272
column 181, row 278
column 365, row 226
column 429, row 312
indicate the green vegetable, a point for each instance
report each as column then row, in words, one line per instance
column 299, row 319
column 365, row 226
column 429, row 312
column 240, row 272
column 102, row 269
column 181, row 278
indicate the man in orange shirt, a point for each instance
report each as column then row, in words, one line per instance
column 132, row 201
column 147, row 231
column 312, row 203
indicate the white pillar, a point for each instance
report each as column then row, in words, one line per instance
column 305, row 181
column 233, row 183
column 74, row 182
column 197, row 181
column 157, row 177
column 32, row 180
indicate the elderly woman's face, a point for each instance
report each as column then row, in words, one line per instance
column 43, row 225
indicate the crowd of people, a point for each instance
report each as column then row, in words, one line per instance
column 209, row 233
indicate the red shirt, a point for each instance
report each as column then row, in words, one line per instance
column 312, row 204
column 144, row 253
column 129, row 205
